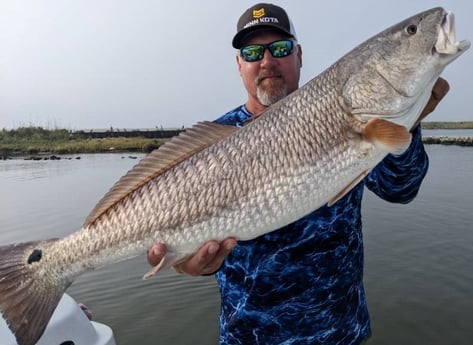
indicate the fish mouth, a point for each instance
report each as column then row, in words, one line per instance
column 447, row 43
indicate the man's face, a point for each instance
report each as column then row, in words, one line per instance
column 270, row 79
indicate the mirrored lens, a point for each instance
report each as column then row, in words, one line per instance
column 278, row 49
column 253, row 52
column 281, row 48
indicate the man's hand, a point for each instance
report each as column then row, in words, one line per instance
column 439, row 90
column 210, row 256
column 208, row 259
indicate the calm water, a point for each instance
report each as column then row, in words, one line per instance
column 418, row 273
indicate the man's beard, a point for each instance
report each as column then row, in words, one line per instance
column 271, row 92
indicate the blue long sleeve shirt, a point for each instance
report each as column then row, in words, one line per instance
column 303, row 283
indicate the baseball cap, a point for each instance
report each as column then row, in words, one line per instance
column 262, row 16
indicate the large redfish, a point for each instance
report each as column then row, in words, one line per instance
column 216, row 181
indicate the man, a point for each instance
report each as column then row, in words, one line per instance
column 301, row 284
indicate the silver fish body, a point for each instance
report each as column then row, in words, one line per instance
column 216, row 181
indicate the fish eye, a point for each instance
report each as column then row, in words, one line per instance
column 411, row 29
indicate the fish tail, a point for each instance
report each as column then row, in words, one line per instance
column 29, row 290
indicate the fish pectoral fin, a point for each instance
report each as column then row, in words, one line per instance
column 169, row 260
column 386, row 135
column 348, row 188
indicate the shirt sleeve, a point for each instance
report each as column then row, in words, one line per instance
column 397, row 178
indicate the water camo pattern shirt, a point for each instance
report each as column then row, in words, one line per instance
column 302, row 284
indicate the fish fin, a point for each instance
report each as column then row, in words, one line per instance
column 387, row 135
column 28, row 296
column 169, row 260
column 348, row 188
column 173, row 152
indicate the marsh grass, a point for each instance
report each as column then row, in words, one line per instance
column 37, row 140
column 448, row 125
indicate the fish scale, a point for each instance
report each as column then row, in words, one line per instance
column 217, row 181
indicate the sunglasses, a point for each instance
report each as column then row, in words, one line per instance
column 278, row 49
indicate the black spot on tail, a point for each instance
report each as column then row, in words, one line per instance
column 26, row 311
column 35, row 256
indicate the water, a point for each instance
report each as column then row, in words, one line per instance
column 418, row 272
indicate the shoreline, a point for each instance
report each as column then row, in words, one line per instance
column 445, row 140
column 51, row 155
column 38, row 143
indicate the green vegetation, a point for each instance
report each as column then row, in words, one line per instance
column 448, row 125
column 37, row 140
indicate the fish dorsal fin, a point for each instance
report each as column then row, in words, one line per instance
column 386, row 135
column 176, row 150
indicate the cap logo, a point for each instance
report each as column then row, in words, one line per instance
column 267, row 16
column 258, row 13
column 259, row 18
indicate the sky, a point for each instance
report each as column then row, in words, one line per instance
column 83, row 64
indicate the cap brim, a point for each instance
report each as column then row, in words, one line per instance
column 237, row 40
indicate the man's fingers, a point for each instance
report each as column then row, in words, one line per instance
column 156, row 253
column 440, row 89
column 226, row 247
column 196, row 264
column 208, row 258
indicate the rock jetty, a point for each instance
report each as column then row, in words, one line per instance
column 445, row 140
